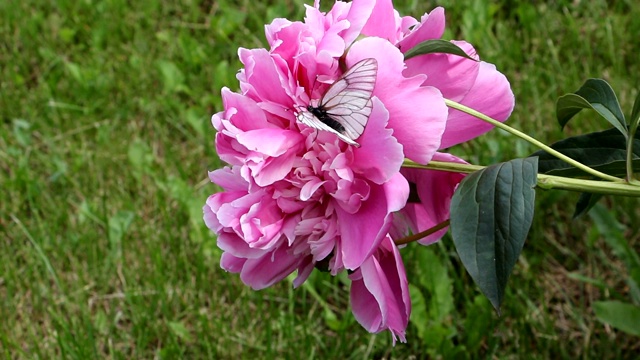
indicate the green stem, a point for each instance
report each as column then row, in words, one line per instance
column 630, row 141
column 629, row 162
column 531, row 140
column 544, row 181
column 420, row 235
column 443, row 166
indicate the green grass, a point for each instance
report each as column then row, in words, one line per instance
column 105, row 142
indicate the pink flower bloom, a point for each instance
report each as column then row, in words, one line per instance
column 293, row 196
column 337, row 199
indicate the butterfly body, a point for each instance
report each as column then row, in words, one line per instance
column 345, row 107
column 321, row 114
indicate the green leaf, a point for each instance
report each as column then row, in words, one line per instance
column 604, row 151
column 172, row 77
column 118, row 226
column 436, row 46
column 595, row 94
column 478, row 323
column 625, row 317
column 141, row 158
column 434, row 278
column 180, row 330
column 437, row 335
column 22, row 131
column 198, row 120
column 101, row 322
column 85, row 213
column 613, row 168
column 330, row 318
column 491, row 213
column 600, row 284
column 74, row 71
column 419, row 317
column 612, row 233
column 184, row 193
column 585, row 203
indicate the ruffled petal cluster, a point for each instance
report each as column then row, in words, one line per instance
column 293, row 197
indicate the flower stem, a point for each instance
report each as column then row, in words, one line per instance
column 629, row 162
column 531, row 140
column 443, row 166
column 423, row 234
column 544, row 181
column 630, row 141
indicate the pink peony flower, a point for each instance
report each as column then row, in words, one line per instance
column 332, row 199
column 293, row 196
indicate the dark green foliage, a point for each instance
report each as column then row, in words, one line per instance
column 603, row 150
column 436, row 46
column 491, row 213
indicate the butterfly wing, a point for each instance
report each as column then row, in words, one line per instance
column 347, row 101
column 309, row 119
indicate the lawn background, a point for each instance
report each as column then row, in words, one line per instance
column 105, row 141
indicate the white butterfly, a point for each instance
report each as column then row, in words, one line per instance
column 345, row 108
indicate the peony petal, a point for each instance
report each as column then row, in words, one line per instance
column 309, row 188
column 247, row 115
column 365, row 307
column 273, row 31
column 262, row 78
column 380, row 292
column 229, row 179
column 304, row 270
column 491, row 95
column 267, row 270
column 431, row 27
column 286, row 40
column 271, row 142
column 453, row 75
column 210, row 219
column 332, row 44
column 267, row 172
column 262, row 224
column 359, row 13
column 397, row 190
column 232, row 244
column 362, row 232
column 229, row 207
column 380, row 155
column 231, row 263
column 382, row 22
column 229, row 150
